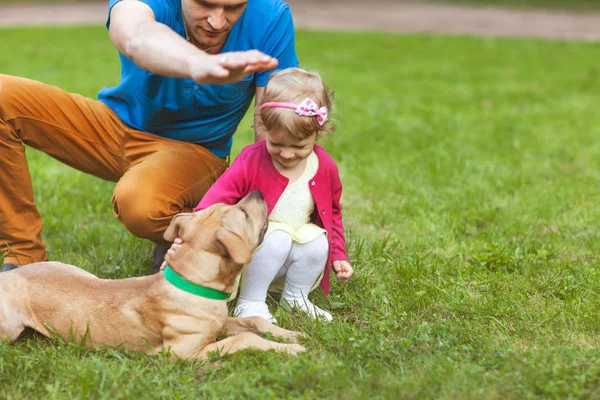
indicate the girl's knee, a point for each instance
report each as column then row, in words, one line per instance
column 317, row 249
column 277, row 244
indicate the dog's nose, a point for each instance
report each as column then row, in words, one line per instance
column 256, row 194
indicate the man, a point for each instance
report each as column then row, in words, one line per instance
column 190, row 69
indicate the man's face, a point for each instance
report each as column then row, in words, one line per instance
column 209, row 21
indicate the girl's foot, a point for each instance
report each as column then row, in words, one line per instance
column 253, row 309
column 305, row 305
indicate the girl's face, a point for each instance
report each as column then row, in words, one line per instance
column 287, row 151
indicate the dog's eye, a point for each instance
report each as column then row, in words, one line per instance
column 245, row 213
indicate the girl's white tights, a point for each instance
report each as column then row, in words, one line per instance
column 279, row 256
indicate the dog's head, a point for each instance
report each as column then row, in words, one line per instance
column 219, row 240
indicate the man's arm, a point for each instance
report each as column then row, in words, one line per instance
column 156, row 48
column 259, row 128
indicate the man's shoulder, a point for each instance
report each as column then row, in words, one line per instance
column 267, row 26
column 270, row 8
column 261, row 14
column 160, row 7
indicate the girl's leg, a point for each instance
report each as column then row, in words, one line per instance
column 259, row 274
column 306, row 262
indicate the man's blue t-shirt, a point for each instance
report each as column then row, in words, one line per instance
column 183, row 110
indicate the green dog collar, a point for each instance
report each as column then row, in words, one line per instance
column 187, row 286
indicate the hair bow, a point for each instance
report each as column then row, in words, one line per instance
column 307, row 108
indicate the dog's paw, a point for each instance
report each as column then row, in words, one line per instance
column 295, row 349
column 292, row 336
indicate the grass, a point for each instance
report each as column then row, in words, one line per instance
column 471, row 171
column 569, row 5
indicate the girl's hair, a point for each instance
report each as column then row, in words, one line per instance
column 293, row 85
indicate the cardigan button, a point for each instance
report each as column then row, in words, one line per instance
column 313, row 183
column 323, row 212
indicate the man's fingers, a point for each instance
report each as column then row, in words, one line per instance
column 248, row 60
column 232, row 61
column 232, row 67
column 174, row 247
column 258, row 67
column 255, row 56
column 218, row 71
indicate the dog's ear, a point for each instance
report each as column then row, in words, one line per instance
column 234, row 245
column 173, row 230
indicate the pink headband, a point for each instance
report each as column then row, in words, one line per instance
column 307, row 108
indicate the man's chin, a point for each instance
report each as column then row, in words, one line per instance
column 204, row 45
column 210, row 39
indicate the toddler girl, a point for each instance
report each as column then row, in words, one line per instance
column 302, row 188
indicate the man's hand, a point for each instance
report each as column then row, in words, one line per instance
column 176, row 244
column 229, row 67
column 343, row 270
column 157, row 48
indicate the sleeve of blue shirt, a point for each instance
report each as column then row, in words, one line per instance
column 279, row 42
column 159, row 8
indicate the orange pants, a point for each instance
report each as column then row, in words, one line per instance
column 156, row 177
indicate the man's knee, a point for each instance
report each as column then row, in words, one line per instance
column 8, row 97
column 3, row 99
column 10, row 103
column 141, row 212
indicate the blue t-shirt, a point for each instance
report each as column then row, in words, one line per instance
column 183, row 110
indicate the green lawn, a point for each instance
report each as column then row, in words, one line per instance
column 575, row 5
column 471, row 171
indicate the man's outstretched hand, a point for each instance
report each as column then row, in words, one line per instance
column 230, row 67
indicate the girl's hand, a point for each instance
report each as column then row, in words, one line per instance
column 176, row 244
column 343, row 270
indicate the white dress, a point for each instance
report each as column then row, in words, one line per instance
column 295, row 206
column 292, row 215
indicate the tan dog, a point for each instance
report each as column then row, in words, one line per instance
column 151, row 313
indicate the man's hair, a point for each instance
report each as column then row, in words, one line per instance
column 293, row 85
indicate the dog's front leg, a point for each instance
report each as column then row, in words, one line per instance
column 248, row 340
column 235, row 326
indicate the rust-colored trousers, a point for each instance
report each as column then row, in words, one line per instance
column 156, row 177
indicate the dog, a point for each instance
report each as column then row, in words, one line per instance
column 182, row 309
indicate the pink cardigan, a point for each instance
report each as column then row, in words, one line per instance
column 253, row 170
